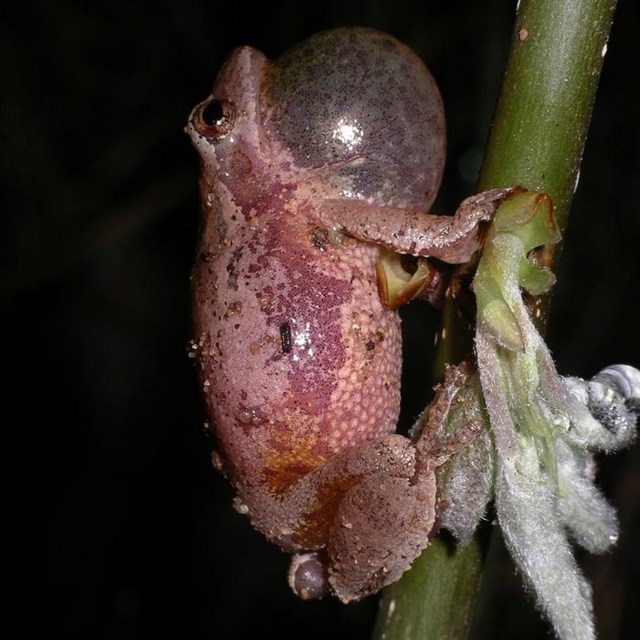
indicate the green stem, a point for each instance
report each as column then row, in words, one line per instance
column 537, row 140
column 544, row 110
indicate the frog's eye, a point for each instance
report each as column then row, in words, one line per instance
column 214, row 118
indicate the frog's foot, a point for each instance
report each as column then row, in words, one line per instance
column 436, row 440
column 442, row 449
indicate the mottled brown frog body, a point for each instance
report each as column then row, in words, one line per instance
column 309, row 165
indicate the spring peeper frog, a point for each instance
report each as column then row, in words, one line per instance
column 315, row 169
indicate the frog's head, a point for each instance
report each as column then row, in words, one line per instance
column 225, row 128
column 351, row 110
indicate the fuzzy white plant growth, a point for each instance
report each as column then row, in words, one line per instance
column 545, row 428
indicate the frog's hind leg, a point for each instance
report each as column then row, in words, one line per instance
column 381, row 527
column 370, row 516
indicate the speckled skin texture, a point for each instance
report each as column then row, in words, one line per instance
column 298, row 359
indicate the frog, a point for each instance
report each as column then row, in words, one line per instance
column 318, row 169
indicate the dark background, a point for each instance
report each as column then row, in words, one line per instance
column 128, row 531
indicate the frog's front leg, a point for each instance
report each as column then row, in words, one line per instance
column 453, row 239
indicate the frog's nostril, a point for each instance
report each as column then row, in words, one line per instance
column 214, row 118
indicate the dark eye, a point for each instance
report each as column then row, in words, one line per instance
column 214, row 118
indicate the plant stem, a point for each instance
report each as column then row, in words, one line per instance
column 545, row 104
column 536, row 141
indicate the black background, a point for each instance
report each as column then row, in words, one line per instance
column 128, row 533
